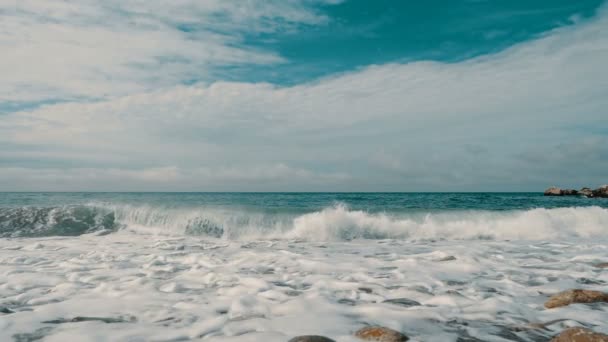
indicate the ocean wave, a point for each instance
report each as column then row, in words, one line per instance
column 336, row 223
column 54, row 221
column 339, row 223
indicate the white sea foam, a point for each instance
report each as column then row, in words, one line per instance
column 339, row 223
column 136, row 285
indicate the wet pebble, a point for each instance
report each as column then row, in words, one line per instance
column 575, row 296
column 579, row 335
column 380, row 334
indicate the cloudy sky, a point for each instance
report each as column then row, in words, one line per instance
column 303, row 95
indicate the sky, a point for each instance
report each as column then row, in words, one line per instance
column 303, row 95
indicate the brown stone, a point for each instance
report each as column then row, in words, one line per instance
column 580, row 335
column 602, row 265
column 380, row 334
column 575, row 296
column 311, row 338
column 553, row 191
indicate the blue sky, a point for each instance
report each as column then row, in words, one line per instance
column 303, row 95
column 361, row 32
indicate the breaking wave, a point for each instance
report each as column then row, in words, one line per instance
column 54, row 221
column 337, row 223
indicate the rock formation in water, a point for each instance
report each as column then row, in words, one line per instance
column 601, row 192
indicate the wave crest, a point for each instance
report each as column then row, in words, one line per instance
column 337, row 223
column 54, row 221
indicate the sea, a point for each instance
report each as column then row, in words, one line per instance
column 273, row 266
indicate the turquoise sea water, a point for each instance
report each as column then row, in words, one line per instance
column 230, row 215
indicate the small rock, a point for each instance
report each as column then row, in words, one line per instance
column 569, row 192
column 602, row 265
column 448, row 258
column 580, row 335
column 402, row 301
column 311, row 338
column 553, row 191
column 380, row 334
column 575, row 296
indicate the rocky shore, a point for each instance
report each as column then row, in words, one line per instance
column 601, row 192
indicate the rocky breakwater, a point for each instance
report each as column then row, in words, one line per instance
column 601, row 192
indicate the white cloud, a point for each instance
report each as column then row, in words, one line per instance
column 274, row 177
column 53, row 50
column 480, row 124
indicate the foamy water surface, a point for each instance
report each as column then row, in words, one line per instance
column 132, row 271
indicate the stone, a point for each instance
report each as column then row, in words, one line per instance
column 575, row 296
column 311, row 338
column 580, row 335
column 569, row 192
column 380, row 334
column 602, row 191
column 602, row 265
column 553, row 191
column 586, row 192
column 448, row 258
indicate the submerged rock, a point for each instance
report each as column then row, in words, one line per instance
column 575, row 296
column 311, row 338
column 380, row 334
column 580, row 335
column 553, row 191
